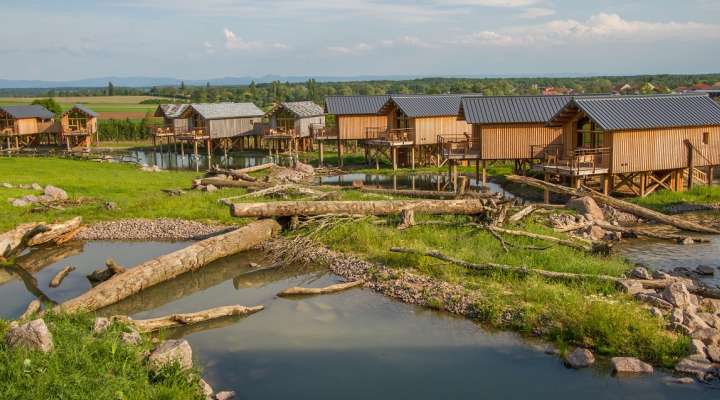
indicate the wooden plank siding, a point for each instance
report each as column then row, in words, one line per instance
column 26, row 126
column 302, row 125
column 230, row 127
column 354, row 127
column 662, row 149
column 513, row 141
column 427, row 129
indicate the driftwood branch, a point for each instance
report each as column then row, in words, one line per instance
column 111, row 269
column 518, row 216
column 178, row 320
column 14, row 241
column 60, row 276
column 621, row 205
column 650, row 234
column 565, row 242
column 31, row 310
column 57, row 233
column 567, row 276
column 169, row 266
column 300, row 291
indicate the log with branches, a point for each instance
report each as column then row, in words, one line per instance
column 57, row 233
column 101, row 275
column 16, row 240
column 228, row 183
column 303, row 291
column 385, row 207
column 518, row 216
column 621, row 205
column 570, row 243
column 60, row 276
column 650, row 234
column 185, row 319
column 169, row 266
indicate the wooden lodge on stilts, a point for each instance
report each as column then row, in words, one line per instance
column 505, row 128
column 78, row 127
column 354, row 115
column 635, row 144
column 291, row 125
column 416, row 125
column 218, row 124
column 26, row 125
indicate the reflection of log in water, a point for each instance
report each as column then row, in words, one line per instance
column 36, row 260
column 261, row 277
column 184, row 285
column 183, row 331
column 30, row 283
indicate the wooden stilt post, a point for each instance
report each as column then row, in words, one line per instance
column 321, row 146
column 377, row 159
column 484, row 173
column 209, row 153
column 643, row 183
column 605, row 181
column 477, row 170
column 394, row 182
column 394, row 158
column 196, row 155
column 340, row 152
column 412, row 157
column 546, row 192
column 710, row 173
column 691, row 164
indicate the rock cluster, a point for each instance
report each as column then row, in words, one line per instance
column 50, row 194
column 150, row 229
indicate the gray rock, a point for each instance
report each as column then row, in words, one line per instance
column 211, row 188
column 7, row 185
column 19, row 203
column 33, row 335
column 653, row 300
column 677, row 316
column 705, row 270
column 630, row 365
column 713, row 353
column 207, row 390
column 36, row 186
column 171, row 351
column 641, row 273
column 580, row 358
column 131, row 338
column 586, row 206
column 697, row 347
column 677, row 294
column 709, row 336
column 101, row 325
column 253, row 265
column 661, row 275
column 688, row 240
column 710, row 319
column 656, row 312
column 693, row 321
column 31, row 198
column 304, row 168
column 55, row 192
column 24, row 186
column 680, row 381
column 226, row 395
column 596, row 233
column 693, row 366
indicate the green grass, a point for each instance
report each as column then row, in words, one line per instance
column 588, row 314
column 665, row 198
column 137, row 194
column 83, row 366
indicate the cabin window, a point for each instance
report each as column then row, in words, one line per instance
column 589, row 135
column 401, row 120
column 706, row 137
column 77, row 121
column 285, row 121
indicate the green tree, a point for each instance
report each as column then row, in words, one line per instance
column 110, row 89
column 51, row 105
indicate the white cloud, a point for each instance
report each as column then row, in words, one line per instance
column 234, row 42
column 536, row 12
column 492, row 3
column 358, row 49
column 407, row 41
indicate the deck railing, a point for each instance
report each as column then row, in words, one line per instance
column 582, row 159
column 542, row 151
column 320, row 131
column 390, row 135
column 458, row 146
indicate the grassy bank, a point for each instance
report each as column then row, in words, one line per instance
column 588, row 314
column 665, row 198
column 83, row 366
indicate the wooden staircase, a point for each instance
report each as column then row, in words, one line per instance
column 699, row 177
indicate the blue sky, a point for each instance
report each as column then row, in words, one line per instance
column 196, row 39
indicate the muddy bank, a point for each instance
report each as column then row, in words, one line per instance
column 151, row 229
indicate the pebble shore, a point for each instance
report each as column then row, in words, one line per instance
column 151, row 229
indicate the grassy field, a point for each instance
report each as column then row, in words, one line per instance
column 665, row 198
column 83, row 366
column 117, row 107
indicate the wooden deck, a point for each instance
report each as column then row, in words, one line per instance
column 565, row 170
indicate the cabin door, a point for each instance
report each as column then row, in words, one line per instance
column 588, row 135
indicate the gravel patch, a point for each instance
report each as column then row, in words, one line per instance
column 151, row 229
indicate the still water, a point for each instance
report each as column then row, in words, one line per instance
column 355, row 344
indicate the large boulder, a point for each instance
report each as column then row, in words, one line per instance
column 586, row 206
column 171, row 351
column 580, row 358
column 695, row 366
column 630, row 365
column 641, row 273
column 713, row 353
column 709, row 336
column 55, row 193
column 596, row 233
column 677, row 294
column 33, row 335
column 206, row 389
column 226, row 395
column 306, row 169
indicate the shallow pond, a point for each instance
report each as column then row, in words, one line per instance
column 356, row 344
column 171, row 160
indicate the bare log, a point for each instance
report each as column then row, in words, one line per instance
column 38, row 259
column 311, row 208
column 171, row 265
column 518, row 216
column 301, row 291
column 427, row 194
column 31, row 309
column 14, row 241
column 58, row 278
column 567, row 276
column 235, row 174
column 179, row 320
column 650, row 234
column 565, row 242
column 101, row 275
column 621, row 205
column 57, row 233
column 227, row 183
column 255, row 168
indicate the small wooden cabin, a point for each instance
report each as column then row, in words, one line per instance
column 221, row 120
column 637, row 144
column 296, row 118
column 24, row 125
column 173, row 123
column 78, row 125
column 354, row 115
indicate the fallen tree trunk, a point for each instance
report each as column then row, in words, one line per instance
column 14, row 241
column 178, row 320
column 255, row 168
column 227, row 183
column 565, row 242
column 58, row 278
column 232, row 173
column 57, row 233
column 312, row 208
column 621, row 205
column 646, row 233
column 301, row 291
column 509, row 268
column 427, row 194
column 171, row 265
column 101, row 275
column 522, row 213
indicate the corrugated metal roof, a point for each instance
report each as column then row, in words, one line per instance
column 648, row 112
column 171, row 110
column 28, row 111
column 84, row 109
column 355, row 105
column 227, row 110
column 302, row 109
column 512, row 109
column 428, row 105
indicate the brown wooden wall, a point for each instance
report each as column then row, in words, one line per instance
column 353, row 127
column 427, row 129
column 26, row 126
column 513, row 141
column 661, row 149
column 92, row 124
column 230, row 127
